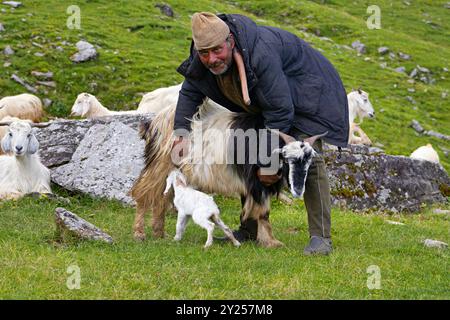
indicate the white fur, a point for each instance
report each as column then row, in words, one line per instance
column 158, row 99
column 87, row 106
column 22, row 106
column 22, row 172
column 360, row 107
column 4, row 129
column 425, row 153
column 198, row 205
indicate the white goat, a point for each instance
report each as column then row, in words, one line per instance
column 22, row 172
column 23, row 106
column 200, row 206
column 158, row 99
column 425, row 153
column 86, row 105
column 4, row 129
column 360, row 107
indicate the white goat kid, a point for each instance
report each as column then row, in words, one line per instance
column 200, row 206
column 360, row 107
column 22, row 172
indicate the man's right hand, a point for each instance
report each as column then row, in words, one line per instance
column 180, row 149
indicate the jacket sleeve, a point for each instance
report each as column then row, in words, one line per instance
column 274, row 94
column 188, row 101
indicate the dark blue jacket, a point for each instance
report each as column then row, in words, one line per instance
column 293, row 84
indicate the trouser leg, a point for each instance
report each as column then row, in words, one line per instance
column 317, row 194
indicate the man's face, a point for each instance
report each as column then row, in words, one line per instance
column 219, row 58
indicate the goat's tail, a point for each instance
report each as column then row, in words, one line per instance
column 158, row 136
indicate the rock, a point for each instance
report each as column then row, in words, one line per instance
column 360, row 47
column 51, row 84
column 39, row 54
column 2, row 28
column 445, row 69
column 447, row 5
column 68, row 222
column 17, row 79
column 444, row 94
column 13, row 4
column 103, row 165
column 42, row 75
column 435, row 244
column 400, row 69
column 404, row 56
column 383, row 50
column 47, row 102
column 411, row 90
column 165, row 9
column 395, row 222
column 8, row 51
column 413, row 73
column 410, row 99
column 86, row 52
column 416, row 126
column 97, row 157
column 407, row 3
column 437, row 135
column 383, row 65
column 37, row 44
column 441, row 211
column 422, row 69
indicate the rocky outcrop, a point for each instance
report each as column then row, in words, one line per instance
column 103, row 157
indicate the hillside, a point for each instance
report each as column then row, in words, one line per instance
column 140, row 48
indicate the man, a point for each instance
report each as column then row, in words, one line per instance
column 291, row 85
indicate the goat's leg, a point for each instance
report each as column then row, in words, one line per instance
column 225, row 229
column 205, row 224
column 260, row 212
column 139, row 220
column 158, row 218
column 181, row 225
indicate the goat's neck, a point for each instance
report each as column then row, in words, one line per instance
column 28, row 160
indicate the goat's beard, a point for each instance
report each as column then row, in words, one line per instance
column 298, row 172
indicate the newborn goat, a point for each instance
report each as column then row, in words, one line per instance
column 200, row 206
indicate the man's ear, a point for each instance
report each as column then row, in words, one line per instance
column 232, row 42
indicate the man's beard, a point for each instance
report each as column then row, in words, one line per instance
column 225, row 69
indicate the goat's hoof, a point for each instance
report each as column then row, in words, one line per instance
column 138, row 236
column 271, row 243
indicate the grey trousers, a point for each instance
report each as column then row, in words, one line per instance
column 317, row 192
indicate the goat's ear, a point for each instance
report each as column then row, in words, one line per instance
column 359, row 90
column 277, row 150
column 33, row 145
column 6, row 143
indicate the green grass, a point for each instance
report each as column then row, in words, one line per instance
column 33, row 265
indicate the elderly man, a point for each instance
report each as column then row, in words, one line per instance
column 272, row 73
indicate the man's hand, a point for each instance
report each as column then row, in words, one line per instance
column 180, row 149
column 267, row 178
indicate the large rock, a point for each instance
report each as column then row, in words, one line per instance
column 103, row 157
column 363, row 179
column 86, row 52
column 105, row 164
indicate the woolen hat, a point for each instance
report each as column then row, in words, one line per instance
column 208, row 30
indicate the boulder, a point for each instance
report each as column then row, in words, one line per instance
column 103, row 157
column 86, row 52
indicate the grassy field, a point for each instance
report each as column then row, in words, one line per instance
column 139, row 50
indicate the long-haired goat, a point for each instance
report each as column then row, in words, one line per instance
column 207, row 169
column 23, row 106
column 156, row 100
column 21, row 172
column 360, row 107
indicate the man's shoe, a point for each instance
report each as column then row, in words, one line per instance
column 318, row 245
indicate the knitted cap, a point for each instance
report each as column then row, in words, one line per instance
column 208, row 30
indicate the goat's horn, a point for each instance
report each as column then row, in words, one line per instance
column 313, row 139
column 286, row 138
column 4, row 123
